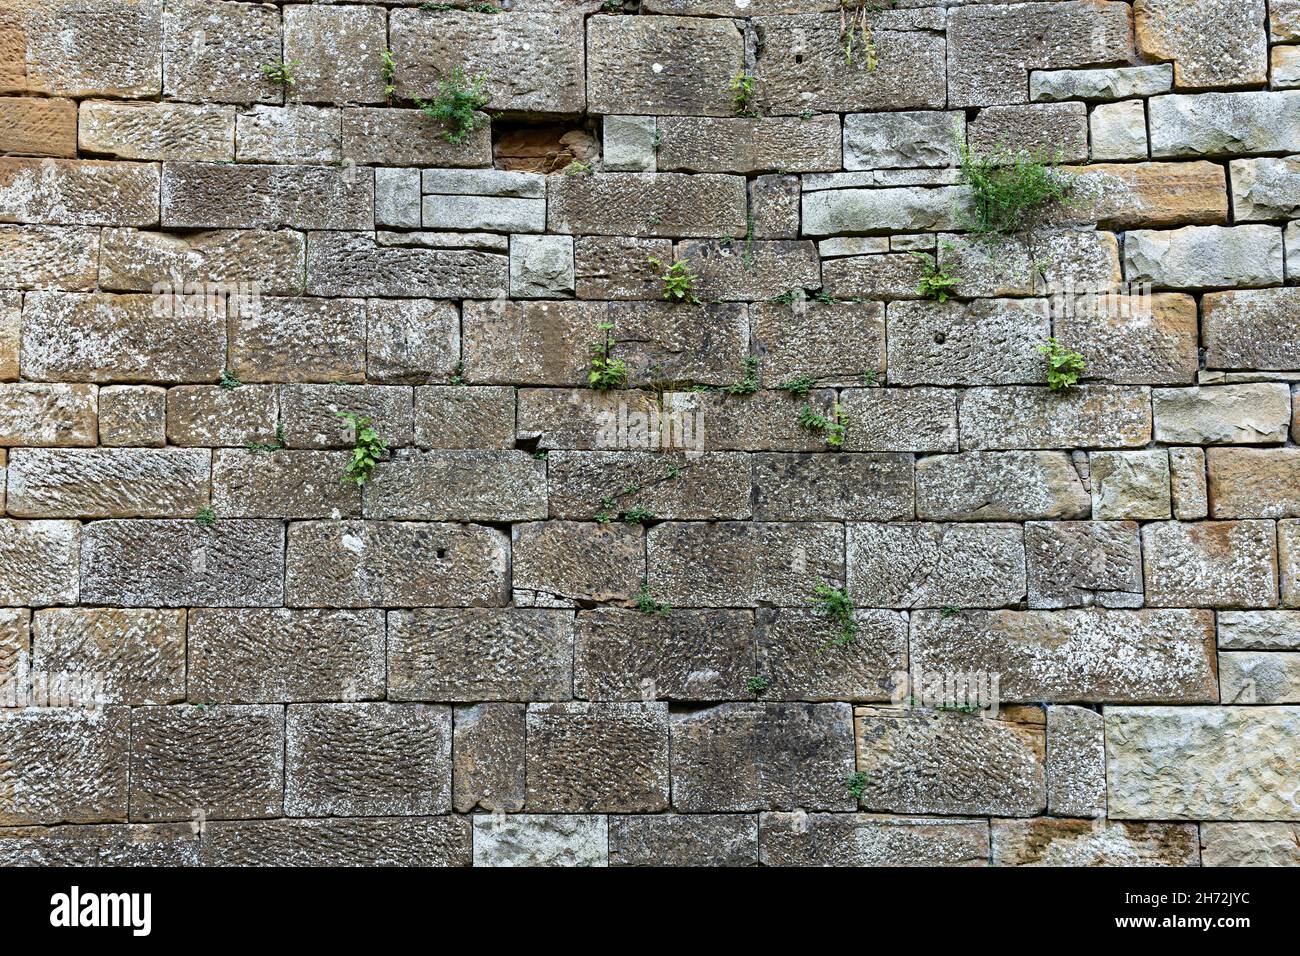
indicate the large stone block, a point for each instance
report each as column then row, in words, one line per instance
column 216, row 51
column 161, row 131
column 38, row 126
column 695, row 839
column 662, row 65
column 1083, row 563
column 48, row 257
column 1264, row 189
column 1048, row 842
column 1250, row 844
column 1055, row 130
column 488, row 758
column 618, row 267
column 338, row 52
column 901, row 140
column 73, row 192
column 711, row 485
column 1000, row 486
column 1253, row 329
column 1076, row 762
column 1148, row 656
column 868, row 839
column 803, row 655
column 351, row 263
column 707, row 205
column 986, row 342
column 158, row 563
column 1211, row 44
column 541, row 839
column 1130, row 484
column 916, row 564
column 1220, row 564
column 1254, row 483
column 225, row 762
column 1029, row 417
column 900, row 419
column 465, row 417
column 1251, row 413
column 107, row 483
column 597, row 757
column 349, row 759
column 480, row 654
column 930, row 762
column 138, row 654
column 1131, row 340
column 623, row 654
column 287, row 483
column 1122, row 196
column 392, row 137
column 375, row 841
column 701, row 144
column 253, row 196
column 85, row 48
column 1202, row 763
column 1224, row 124
column 1115, row 83
column 830, row 487
column 830, row 212
column 578, row 560
column 290, row 134
column 310, row 414
column 1065, row 262
column 454, row 485
column 395, row 563
column 212, row 416
column 63, row 765
column 747, row 757
column 102, row 337
column 37, row 415
column 1197, row 257
column 133, row 260
column 279, row 655
column 836, row 343
column 727, row 270
column 533, row 60
column 743, row 564
column 40, row 561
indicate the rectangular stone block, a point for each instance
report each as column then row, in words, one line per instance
column 578, row 560
column 37, row 126
column 902, row 140
column 1114, row 83
column 375, row 841
column 1186, row 763
column 1264, row 189
column 987, row 342
column 351, row 263
column 700, row 144
column 477, row 655
column 465, row 417
column 103, row 337
column 915, row 564
column 380, row 758
column 209, row 415
column 1205, row 256
column 900, row 419
column 1133, row 340
column 830, row 487
column 1252, row 329
column 339, row 52
column 743, row 564
column 37, row 414
column 279, row 655
column 1084, row 563
column 709, row 486
column 182, row 563
column 830, row 212
column 1260, row 677
column 1288, row 558
column 488, row 758
column 469, row 485
column 729, row 271
column 1259, row 630
column 1225, row 124
column 157, row 131
column 1249, row 844
column 617, row 267
column 63, row 765
column 707, row 205
column 111, row 48
column 300, row 340
column 1148, row 656
column 1000, row 486
column 836, row 343
column 1220, row 564
column 1088, row 416
column 255, row 196
column 405, row 563
column 748, row 757
column 225, row 762
column 287, row 483
column 289, row 134
column 597, row 757
column 238, row 39
column 623, row 654
column 534, row 60
column 401, row 137
column 411, row 340
column 1048, row 842
column 1228, row 48
column 680, row 65
column 1121, row 196
column 107, row 483
column 1076, row 762
column 72, row 192
column 48, row 257
column 1065, row 262
column 868, row 839
column 138, row 655
column 678, row 839
column 1254, row 483
column 541, row 839
column 271, row 262
column 1250, row 413
column 40, row 560
column 310, row 414
column 803, row 655
column 1056, row 130
column 930, row 762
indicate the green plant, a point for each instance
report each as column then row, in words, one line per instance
column 390, row 75
column 1063, row 366
column 456, row 104
column 228, row 380
column 648, row 605
column 606, row 371
column 834, row 427
column 542, row 455
column 577, row 168
column 367, row 449
column 856, row 784
column 748, row 383
column 799, row 386
column 835, row 604
column 936, row 283
column 281, row 72
column 757, row 684
column 870, row 377
column 608, row 509
column 788, row 298
column 1009, row 191
column 206, row 517
column 742, row 91
column 612, row 6
column 948, row 610
column 638, row 515
column 269, row 445
column 679, row 281
column 856, row 36
column 458, row 374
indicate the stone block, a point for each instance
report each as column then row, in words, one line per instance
column 38, row 126
column 830, row 487
column 629, row 144
column 1082, row 563
column 458, row 485
column 1224, row 124
column 836, row 343
column 728, row 271
column 78, row 192
column 107, row 482
column 351, row 263
column 287, row 483
column 1265, row 189
column 900, row 140
column 310, row 414
column 1254, row 483
column 1132, row 340
column 1121, row 196
column 48, row 257
column 132, row 415
column 1259, row 630
column 40, row 561
column 1045, row 841
column 1219, row 564
column 1030, row 417
column 1252, row 413
column 662, row 65
column 537, row 839
column 1130, row 484
column 404, row 137
column 84, row 49
column 1205, row 256
column 1076, row 762
column 1118, row 131
column 216, row 51
column 1255, row 329
column 803, row 655
column 465, row 417
column 1113, row 83
column 578, row 560
column 868, row 839
column 263, row 196
column 707, row 205
column 290, row 134
column 708, row 144
column 161, row 131
column 987, row 342
column 338, row 53
column 488, row 758
column 541, row 267
column 696, row 839
column 63, row 765
column 139, row 655
column 209, row 415
column 1259, row 677
column 1055, row 131
column 711, row 485
column 1250, row 844
column 830, row 212
column 392, row 841
column 1211, row 44
column 269, row 262
column 1066, row 262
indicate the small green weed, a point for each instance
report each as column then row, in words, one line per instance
column 748, row 383
column 367, row 449
column 799, row 386
column 742, row 92
column 281, row 73
column 936, row 283
column 1010, row 191
column 679, row 281
column 390, row 75
column 269, row 445
column 834, row 428
column 856, row 784
column 456, row 104
column 646, row 604
column 206, row 517
column 949, row 610
column 228, row 380
column 606, row 371
column 835, row 604
column 757, row 684
column 1063, row 366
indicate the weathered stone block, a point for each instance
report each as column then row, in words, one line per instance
column 1259, row 630
column 597, row 757
column 1223, row 564
column 284, row 484
column 208, row 415
column 351, row 263
column 34, row 414
column 11, row 331
column 1029, row 417
column 280, row 655
column 1132, row 340
column 662, row 65
column 647, row 204
column 393, row 841
column 747, row 757
column 915, row 564
column 619, row 268
column 1061, row 261
column 488, row 758
column 454, row 485
column 774, row 206
column 465, row 417
column 534, row 60
column 886, row 276
column 310, row 414
column 900, row 140
column 1076, row 762
column 216, row 51
column 253, row 196
column 729, row 270
column 393, row 136
column 1211, row 44
column 111, row 48
column 78, row 192
column 1058, row 131
column 1081, row 563
column 1000, row 486
column 683, row 840
column 1205, row 256
column 987, row 342
column 394, row 563
column 272, row 263
column 161, row 131
column 835, row 343
column 107, row 483
column 1250, row 844
column 1119, row 131
column 300, row 339
column 1252, row 329
column 1254, row 677
column 829, row 487
column 930, row 762
column 1130, row 484
column 290, row 134
column 37, row 126
column 226, row 762
column 867, row 839
column 40, row 559
column 565, row 839
column 48, row 257
column 338, row 51
column 578, row 560
column 541, row 267
column 1186, row 763
column 1251, row 413
column 1122, row 196
column 1115, row 83
column 1225, row 124
column 1264, row 189
column 584, row 485
column 63, row 765
column 830, row 212
column 1288, row 546
column 804, row 656
column 132, row 415
column 743, row 564
column 1047, row 842
column 1254, row 483
column 629, row 144
column 139, row 655
column 349, row 759
column 699, row 144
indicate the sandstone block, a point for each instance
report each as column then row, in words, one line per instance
column 711, row 485
column 339, row 51
column 707, row 144
column 835, row 343
column 564, row 839
column 310, row 414
column 828, row 487
column 82, row 49
column 1288, row 544
column 629, row 144
column 36, row 414
column 729, row 271
column 1055, row 130
column 452, row 485
column 578, row 560
column 1187, row 483
column 683, row 840
column 1146, row 195
column 885, row 276
column 615, row 267
column 1260, row 677
column 78, row 192
column 1082, row 563
column 237, row 40
column 802, row 655
column 541, row 267
column 351, row 263
column 1115, row 83
column 1130, row 484
column 1076, row 762
column 1252, row 413
column 465, row 417
column 107, row 483
column 1250, row 844
column 290, row 134
column 132, row 415
column 300, row 339
column 1259, row 630
column 139, row 654
column 1047, row 842
column 288, row 483
column 1210, row 44
column 40, row 562
column 1205, row 256
column 1252, row 329
column 647, row 204
column 830, row 212
column 272, row 262
column 63, row 765
column 209, row 415
column 393, row 136
column 1264, row 189
column 1225, row 124
column 1132, row 340
column 37, row 126
column 48, row 257
column 901, row 419
column 1222, row 564
column 774, row 206
column 987, row 342
column 162, row 131
column 1254, row 483
column 868, row 839
column 901, row 140
column 488, row 758
column 1028, row 417
column 1000, row 486
column 1061, row 261
column 392, row 841
column 255, row 196
column 1119, row 131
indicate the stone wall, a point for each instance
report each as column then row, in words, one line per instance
column 569, row 625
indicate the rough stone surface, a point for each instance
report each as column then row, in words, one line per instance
column 1250, row 844
column 540, row 839
column 488, row 758
column 697, row 839
column 868, row 839
column 1253, row 329
column 1082, row 563
column 1130, row 484
column 1247, row 414
column 1227, row 564
column 1048, row 842
column 999, row 486
column 1076, row 762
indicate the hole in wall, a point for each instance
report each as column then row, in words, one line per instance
column 542, row 147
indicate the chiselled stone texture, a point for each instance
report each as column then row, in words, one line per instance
column 555, row 432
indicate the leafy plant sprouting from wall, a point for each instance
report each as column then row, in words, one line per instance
column 1009, row 191
column 1063, row 366
column 606, row 371
column 456, row 104
column 742, row 92
column 834, row 428
column 368, row 448
column 857, row 39
column 834, row 604
column 679, row 281
column 281, row 72
column 936, row 284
